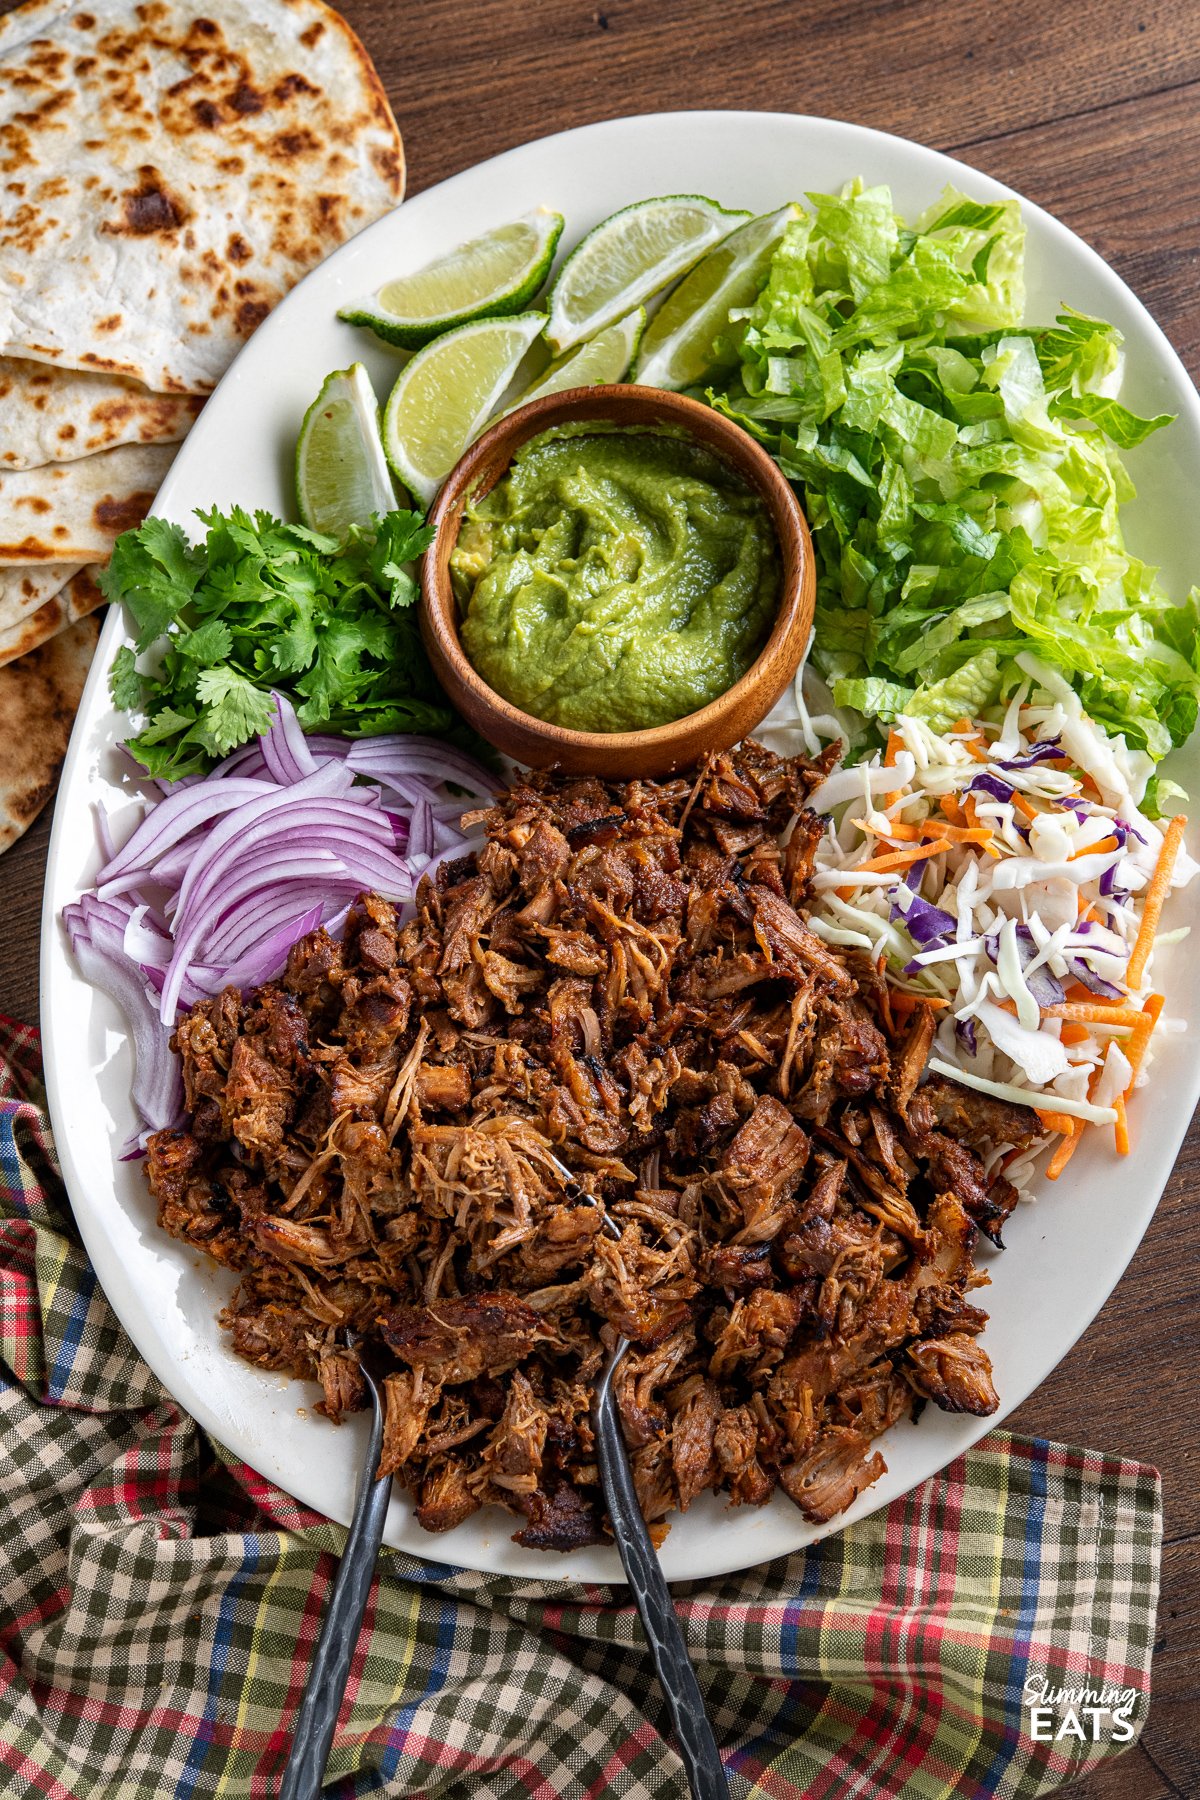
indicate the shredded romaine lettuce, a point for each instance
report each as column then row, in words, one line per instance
column 960, row 470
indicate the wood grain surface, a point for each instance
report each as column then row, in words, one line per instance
column 1088, row 107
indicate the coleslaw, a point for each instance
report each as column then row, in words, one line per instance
column 1004, row 873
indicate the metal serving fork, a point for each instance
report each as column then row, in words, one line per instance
column 325, row 1689
column 326, row 1686
column 676, row 1677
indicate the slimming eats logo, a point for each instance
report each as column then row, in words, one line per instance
column 1081, row 1713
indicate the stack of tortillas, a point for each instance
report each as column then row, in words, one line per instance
column 169, row 170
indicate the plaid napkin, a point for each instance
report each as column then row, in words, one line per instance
column 159, row 1604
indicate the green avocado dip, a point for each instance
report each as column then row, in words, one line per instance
column 615, row 579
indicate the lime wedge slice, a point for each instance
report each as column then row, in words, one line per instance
column 489, row 277
column 446, row 394
column 602, row 359
column 629, row 257
column 342, row 475
column 678, row 348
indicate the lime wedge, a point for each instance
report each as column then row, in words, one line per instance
column 446, row 394
column 490, row 277
column 678, row 348
column 602, row 359
column 342, row 475
column 629, row 257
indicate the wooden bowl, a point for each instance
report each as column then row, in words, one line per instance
column 662, row 748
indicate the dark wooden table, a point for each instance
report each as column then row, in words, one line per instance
column 1089, row 108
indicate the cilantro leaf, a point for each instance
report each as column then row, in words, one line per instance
column 235, row 710
column 154, row 571
column 208, row 643
column 124, row 682
column 263, row 604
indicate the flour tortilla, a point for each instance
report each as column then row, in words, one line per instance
column 74, row 512
column 38, row 700
column 52, row 415
column 26, row 586
column 75, row 600
column 172, row 169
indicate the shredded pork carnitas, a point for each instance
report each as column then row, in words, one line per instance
column 622, row 980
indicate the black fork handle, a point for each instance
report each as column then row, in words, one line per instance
column 693, row 1734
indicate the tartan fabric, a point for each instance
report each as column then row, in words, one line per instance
column 160, row 1603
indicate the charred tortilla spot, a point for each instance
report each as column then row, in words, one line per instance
column 250, row 315
column 117, row 515
column 148, row 208
column 246, row 100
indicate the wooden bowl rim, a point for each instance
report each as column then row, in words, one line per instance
column 598, row 403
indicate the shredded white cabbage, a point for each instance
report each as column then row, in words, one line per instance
column 1024, row 903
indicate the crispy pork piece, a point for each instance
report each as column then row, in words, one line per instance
column 955, row 1372
column 514, row 1453
column 693, row 1429
column 833, row 1473
column 565, row 1518
column 459, row 1340
column 613, row 1009
column 762, row 1168
column 408, row 1399
column 978, row 1120
column 447, row 1496
column 343, row 1388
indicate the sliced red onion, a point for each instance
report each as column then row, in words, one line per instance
column 267, row 959
column 173, row 819
column 157, row 1090
column 381, row 757
column 227, row 871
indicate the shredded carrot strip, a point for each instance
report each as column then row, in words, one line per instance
column 971, row 814
column 1121, row 1128
column 1092, row 1012
column 1065, row 1151
column 895, row 744
column 952, row 809
column 894, row 828
column 958, row 834
column 1073, row 1034
column 1139, row 1043
column 1156, row 893
column 897, row 859
column 1077, row 992
column 1089, row 787
column 1100, row 849
column 970, row 737
column 1068, row 1147
column 1022, row 806
column 903, row 1002
column 1056, row 1121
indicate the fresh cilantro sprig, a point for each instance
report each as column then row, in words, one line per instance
column 261, row 605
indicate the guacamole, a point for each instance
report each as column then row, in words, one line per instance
column 615, row 579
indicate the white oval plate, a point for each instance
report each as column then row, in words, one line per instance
column 1064, row 1254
